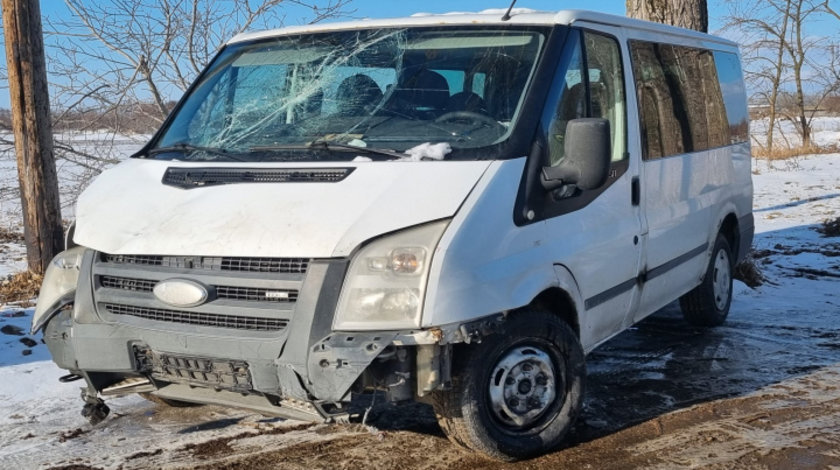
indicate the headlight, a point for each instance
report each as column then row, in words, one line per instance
column 59, row 286
column 386, row 282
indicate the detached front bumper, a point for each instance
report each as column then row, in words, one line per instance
column 280, row 358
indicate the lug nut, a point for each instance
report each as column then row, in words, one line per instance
column 541, row 380
column 513, row 402
column 510, row 380
column 527, row 367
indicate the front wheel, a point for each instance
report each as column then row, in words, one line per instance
column 708, row 303
column 518, row 392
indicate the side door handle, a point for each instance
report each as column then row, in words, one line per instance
column 635, row 191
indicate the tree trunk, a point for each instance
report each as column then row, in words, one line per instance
column 691, row 14
column 33, row 131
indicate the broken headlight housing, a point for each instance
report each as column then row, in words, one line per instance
column 59, row 286
column 386, row 282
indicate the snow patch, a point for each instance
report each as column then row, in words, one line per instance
column 428, row 151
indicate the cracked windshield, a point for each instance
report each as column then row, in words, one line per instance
column 412, row 94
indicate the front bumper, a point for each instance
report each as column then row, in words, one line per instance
column 301, row 366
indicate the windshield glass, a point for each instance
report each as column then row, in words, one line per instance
column 421, row 93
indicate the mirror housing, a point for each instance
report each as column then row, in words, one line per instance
column 587, row 156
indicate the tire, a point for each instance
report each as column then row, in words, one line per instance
column 708, row 304
column 166, row 401
column 518, row 392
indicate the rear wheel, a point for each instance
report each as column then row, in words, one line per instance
column 517, row 393
column 708, row 304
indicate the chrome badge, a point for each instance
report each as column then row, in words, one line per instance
column 181, row 292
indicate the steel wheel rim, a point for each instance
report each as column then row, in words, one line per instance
column 523, row 386
column 722, row 279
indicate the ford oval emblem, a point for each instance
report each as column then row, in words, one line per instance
column 181, row 292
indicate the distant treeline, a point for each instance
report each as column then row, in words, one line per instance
column 137, row 118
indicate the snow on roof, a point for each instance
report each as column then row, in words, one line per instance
column 519, row 16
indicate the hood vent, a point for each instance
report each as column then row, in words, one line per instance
column 188, row 178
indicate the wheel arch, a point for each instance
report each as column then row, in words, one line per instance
column 559, row 303
column 729, row 229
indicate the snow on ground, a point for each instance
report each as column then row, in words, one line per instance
column 74, row 171
column 40, row 425
column 825, row 132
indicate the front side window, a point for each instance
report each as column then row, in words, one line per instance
column 392, row 89
column 590, row 84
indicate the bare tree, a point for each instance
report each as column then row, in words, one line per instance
column 118, row 55
column 799, row 48
column 764, row 25
column 691, row 14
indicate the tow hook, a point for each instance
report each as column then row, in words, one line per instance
column 95, row 409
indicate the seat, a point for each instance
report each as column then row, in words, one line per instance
column 466, row 101
column 420, row 93
column 358, row 95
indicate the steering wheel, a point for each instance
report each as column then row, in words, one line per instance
column 454, row 116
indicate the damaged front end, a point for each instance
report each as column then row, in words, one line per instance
column 247, row 346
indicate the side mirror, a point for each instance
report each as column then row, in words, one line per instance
column 587, row 156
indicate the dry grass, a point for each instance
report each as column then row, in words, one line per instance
column 10, row 236
column 748, row 272
column 784, row 153
column 830, row 228
column 21, row 288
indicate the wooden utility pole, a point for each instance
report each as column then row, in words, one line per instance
column 691, row 14
column 33, row 131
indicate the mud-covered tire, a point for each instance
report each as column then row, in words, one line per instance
column 708, row 304
column 529, row 344
column 166, row 401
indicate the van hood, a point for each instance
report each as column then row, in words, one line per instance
column 128, row 209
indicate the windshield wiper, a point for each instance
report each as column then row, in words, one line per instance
column 323, row 144
column 185, row 147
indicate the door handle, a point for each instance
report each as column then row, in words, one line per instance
column 635, row 191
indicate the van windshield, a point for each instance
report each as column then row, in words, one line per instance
column 428, row 93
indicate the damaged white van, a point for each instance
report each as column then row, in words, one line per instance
column 452, row 209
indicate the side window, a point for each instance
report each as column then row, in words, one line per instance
column 662, row 129
column 734, row 95
column 592, row 86
column 682, row 99
column 569, row 92
column 606, row 84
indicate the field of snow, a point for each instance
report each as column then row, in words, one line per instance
column 825, row 132
column 40, row 424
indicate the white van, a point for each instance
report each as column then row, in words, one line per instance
column 453, row 209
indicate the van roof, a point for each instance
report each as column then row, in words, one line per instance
column 519, row 16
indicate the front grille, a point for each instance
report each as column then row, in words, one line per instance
column 215, row 263
column 251, row 294
column 188, row 178
column 245, row 294
column 198, row 318
column 265, row 265
column 136, row 285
